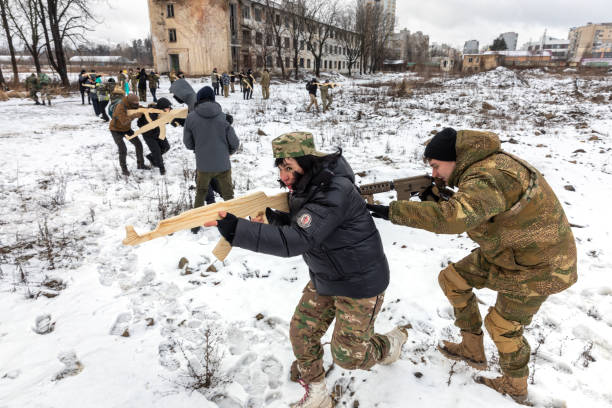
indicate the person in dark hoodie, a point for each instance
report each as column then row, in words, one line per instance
column 142, row 85
column 156, row 145
column 210, row 135
column 329, row 225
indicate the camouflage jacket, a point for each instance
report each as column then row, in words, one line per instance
column 153, row 81
column 508, row 208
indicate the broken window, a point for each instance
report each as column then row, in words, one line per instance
column 169, row 10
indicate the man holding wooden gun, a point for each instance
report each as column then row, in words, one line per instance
column 329, row 225
column 121, row 126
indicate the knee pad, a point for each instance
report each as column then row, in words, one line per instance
column 506, row 334
column 455, row 287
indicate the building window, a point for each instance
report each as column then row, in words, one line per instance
column 246, row 60
column 279, row 62
column 470, row 59
column 246, row 37
column 257, row 13
column 277, row 19
column 286, row 62
column 246, row 12
column 308, row 63
column 169, row 10
column 258, row 38
column 295, row 43
column 172, row 35
column 302, row 45
column 301, row 62
column 259, row 61
column 335, row 64
column 286, row 42
column 325, row 64
column 268, row 40
column 269, row 61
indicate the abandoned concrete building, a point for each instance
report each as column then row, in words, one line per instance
column 195, row 36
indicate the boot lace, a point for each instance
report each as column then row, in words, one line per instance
column 306, row 389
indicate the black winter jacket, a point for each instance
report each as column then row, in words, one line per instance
column 331, row 228
column 142, row 79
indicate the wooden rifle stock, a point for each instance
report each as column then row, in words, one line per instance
column 161, row 121
column 249, row 205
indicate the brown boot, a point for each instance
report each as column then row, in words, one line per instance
column 470, row 350
column 505, row 385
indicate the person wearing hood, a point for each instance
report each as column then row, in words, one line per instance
column 142, row 85
column 526, row 247
column 184, row 93
column 121, row 126
column 329, row 225
column 210, row 135
column 156, row 145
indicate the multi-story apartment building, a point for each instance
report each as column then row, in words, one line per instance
column 590, row 41
column 510, row 39
column 557, row 47
column 195, row 36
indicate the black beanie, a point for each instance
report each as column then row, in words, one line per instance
column 442, row 146
column 206, row 94
column 163, row 103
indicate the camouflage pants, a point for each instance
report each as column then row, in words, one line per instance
column 326, row 101
column 45, row 94
column 354, row 343
column 504, row 322
column 34, row 95
column 265, row 92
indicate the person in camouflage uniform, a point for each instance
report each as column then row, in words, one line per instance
column 526, row 247
column 153, row 79
column 329, row 225
column 326, row 97
column 33, row 85
column 133, row 76
column 45, row 82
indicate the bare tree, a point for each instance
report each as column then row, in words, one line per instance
column 320, row 26
column 295, row 11
column 4, row 7
column 362, row 27
column 380, row 28
column 25, row 18
column 63, row 20
column 350, row 40
column 279, row 24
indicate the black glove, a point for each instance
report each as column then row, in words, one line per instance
column 178, row 122
column 129, row 132
column 227, row 227
column 277, row 217
column 229, row 118
column 379, row 211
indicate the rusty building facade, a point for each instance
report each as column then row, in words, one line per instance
column 195, row 36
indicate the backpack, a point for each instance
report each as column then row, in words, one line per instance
column 112, row 105
column 44, row 79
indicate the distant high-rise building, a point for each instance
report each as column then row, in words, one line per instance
column 511, row 39
column 471, row 47
column 388, row 6
column 590, row 41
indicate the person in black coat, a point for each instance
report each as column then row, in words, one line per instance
column 142, row 85
column 84, row 79
column 329, row 225
column 157, row 146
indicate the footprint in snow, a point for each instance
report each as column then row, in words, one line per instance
column 273, row 369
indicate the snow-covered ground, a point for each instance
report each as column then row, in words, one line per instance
column 123, row 321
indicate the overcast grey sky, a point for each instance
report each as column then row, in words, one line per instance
column 449, row 21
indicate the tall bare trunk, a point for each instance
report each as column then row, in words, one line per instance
column 9, row 39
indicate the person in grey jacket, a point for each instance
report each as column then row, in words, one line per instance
column 210, row 135
column 329, row 225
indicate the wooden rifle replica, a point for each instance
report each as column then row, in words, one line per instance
column 249, row 205
column 406, row 188
column 161, row 121
column 94, row 73
column 330, row 84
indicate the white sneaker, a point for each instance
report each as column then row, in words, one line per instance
column 316, row 396
column 397, row 337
